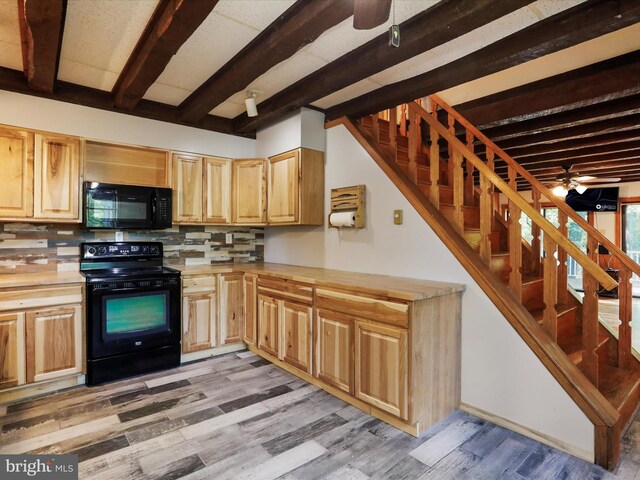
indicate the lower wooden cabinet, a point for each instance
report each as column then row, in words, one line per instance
column 198, row 321
column 268, row 325
column 334, row 349
column 250, row 308
column 296, row 334
column 12, row 350
column 231, row 308
column 54, row 343
column 381, row 367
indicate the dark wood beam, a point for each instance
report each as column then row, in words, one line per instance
column 579, row 153
column 575, row 25
column 578, row 116
column 300, row 25
column 41, row 28
column 633, row 161
column 172, row 23
column 562, row 162
column 14, row 81
column 618, row 171
column 444, row 21
column 520, row 154
column 618, row 124
column 610, row 79
column 369, row 14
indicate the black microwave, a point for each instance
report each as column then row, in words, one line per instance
column 126, row 206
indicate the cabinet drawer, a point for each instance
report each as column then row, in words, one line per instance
column 395, row 313
column 198, row 284
column 287, row 289
column 40, row 297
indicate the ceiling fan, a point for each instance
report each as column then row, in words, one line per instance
column 569, row 180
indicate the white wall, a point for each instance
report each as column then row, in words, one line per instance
column 60, row 117
column 500, row 374
column 304, row 128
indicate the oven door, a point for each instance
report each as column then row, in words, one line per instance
column 125, row 317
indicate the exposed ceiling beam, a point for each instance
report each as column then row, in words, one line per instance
column 613, row 78
column 579, row 152
column 446, row 20
column 368, row 14
column 172, row 23
column 14, row 81
column 570, row 27
column 615, row 171
column 579, row 116
column 618, row 124
column 300, row 25
column 41, row 28
column 617, row 156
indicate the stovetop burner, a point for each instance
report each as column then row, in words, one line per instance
column 122, row 259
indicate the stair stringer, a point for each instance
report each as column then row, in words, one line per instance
column 586, row 396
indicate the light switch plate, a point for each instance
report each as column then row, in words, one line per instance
column 397, row 217
column 228, row 238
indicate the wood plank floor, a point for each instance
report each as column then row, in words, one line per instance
column 239, row 417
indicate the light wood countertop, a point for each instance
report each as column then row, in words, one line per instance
column 10, row 280
column 395, row 287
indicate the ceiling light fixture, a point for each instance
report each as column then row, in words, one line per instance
column 560, row 191
column 250, row 103
column 581, row 189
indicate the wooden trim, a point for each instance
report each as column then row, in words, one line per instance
column 586, row 396
column 170, row 27
column 516, row 198
column 618, row 218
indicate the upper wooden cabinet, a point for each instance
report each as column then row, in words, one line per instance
column 16, row 181
column 249, row 191
column 201, row 189
column 296, row 188
column 186, row 182
column 41, row 176
column 217, row 190
column 57, row 177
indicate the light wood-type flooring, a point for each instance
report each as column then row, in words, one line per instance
column 239, row 417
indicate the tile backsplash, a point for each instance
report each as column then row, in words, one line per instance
column 28, row 248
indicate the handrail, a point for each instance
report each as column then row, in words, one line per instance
column 572, row 249
column 602, row 240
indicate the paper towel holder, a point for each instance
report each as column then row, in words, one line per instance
column 346, row 199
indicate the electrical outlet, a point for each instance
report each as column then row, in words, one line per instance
column 119, row 236
column 229, row 238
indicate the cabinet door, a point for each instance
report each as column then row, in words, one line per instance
column 296, row 335
column 334, row 349
column 217, row 190
column 249, row 191
column 186, row 182
column 54, row 343
column 250, row 306
column 16, row 181
column 268, row 325
column 381, row 367
column 198, row 322
column 231, row 318
column 57, row 177
column 12, row 350
column 283, row 188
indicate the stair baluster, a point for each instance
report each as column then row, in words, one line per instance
column 550, row 292
column 625, row 314
column 434, row 168
column 469, row 180
column 590, row 321
column 534, row 265
column 486, row 211
column 414, row 141
column 393, row 131
column 515, row 241
column 563, row 293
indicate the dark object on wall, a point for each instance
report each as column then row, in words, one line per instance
column 594, row 200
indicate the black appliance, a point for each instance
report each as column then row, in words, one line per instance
column 133, row 310
column 594, row 200
column 126, row 206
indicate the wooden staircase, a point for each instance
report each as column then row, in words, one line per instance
column 459, row 195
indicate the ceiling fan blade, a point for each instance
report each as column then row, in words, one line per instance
column 601, row 180
column 583, row 178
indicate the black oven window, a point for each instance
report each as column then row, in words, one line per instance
column 135, row 313
column 132, row 210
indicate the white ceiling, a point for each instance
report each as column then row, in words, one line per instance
column 100, row 35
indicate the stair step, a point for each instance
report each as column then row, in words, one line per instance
column 532, row 292
column 471, row 215
column 567, row 314
column 472, row 236
column 572, row 346
column 621, row 387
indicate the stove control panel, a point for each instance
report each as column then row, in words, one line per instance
column 120, row 250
